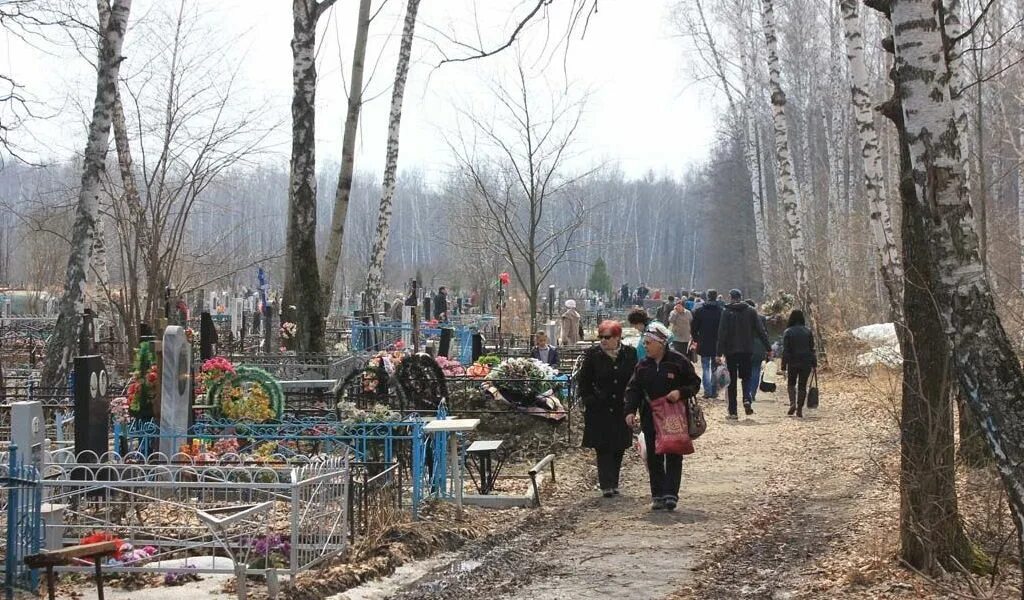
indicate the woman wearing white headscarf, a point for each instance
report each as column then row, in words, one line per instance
column 570, row 324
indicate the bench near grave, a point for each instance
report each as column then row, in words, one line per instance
column 66, row 556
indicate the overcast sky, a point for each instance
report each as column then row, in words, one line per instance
column 643, row 111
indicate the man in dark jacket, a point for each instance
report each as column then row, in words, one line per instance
column 662, row 372
column 441, row 304
column 739, row 327
column 705, row 334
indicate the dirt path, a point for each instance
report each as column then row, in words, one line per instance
column 759, row 498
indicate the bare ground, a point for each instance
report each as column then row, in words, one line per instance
column 771, row 507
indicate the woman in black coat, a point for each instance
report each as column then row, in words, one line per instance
column 798, row 359
column 606, row 369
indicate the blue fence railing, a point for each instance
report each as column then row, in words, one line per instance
column 24, row 500
column 385, row 336
column 371, row 441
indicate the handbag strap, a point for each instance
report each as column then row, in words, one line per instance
column 814, row 376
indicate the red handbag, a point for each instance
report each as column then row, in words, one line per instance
column 671, row 430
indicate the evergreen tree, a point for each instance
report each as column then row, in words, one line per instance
column 599, row 280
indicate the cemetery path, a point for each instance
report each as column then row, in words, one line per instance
column 761, row 499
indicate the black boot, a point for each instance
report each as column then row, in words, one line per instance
column 800, row 403
column 792, row 400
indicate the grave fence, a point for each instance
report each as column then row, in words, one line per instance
column 265, row 516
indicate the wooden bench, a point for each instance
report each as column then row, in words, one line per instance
column 64, row 556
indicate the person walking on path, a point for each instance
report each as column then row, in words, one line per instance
column 662, row 373
column 666, row 307
column 570, row 320
column 704, row 329
column 736, row 332
column 679, row 321
column 639, row 320
column 606, row 370
column 798, row 360
column 761, row 352
column 544, row 352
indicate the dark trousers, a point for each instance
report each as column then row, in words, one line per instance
column 609, row 464
column 796, row 384
column 665, row 470
column 739, row 368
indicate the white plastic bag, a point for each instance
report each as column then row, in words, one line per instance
column 641, row 446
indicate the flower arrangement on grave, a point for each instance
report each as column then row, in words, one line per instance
column 142, row 385
column 478, row 370
column 198, row 451
column 373, row 377
column 450, row 368
column 272, row 551
column 124, row 552
column 190, row 335
column 246, row 394
column 350, row 414
column 119, row 410
column 287, row 332
column 490, row 360
column 526, row 377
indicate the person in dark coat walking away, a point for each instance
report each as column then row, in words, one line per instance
column 736, row 333
column 663, row 373
column 798, row 360
column 606, row 369
column 544, row 352
column 441, row 304
column 761, row 352
column 704, row 330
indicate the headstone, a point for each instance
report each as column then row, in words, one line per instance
column 478, row 345
column 236, row 317
column 174, row 387
column 445, row 345
column 28, row 432
column 406, row 329
column 92, row 411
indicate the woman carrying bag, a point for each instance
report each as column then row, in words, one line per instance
column 663, row 373
column 798, row 360
column 606, row 369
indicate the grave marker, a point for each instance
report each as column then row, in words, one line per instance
column 92, row 411
column 28, row 432
column 175, row 391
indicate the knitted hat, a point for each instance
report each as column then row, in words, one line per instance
column 570, row 303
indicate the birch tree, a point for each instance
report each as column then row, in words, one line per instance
column 874, row 182
column 987, row 369
column 343, row 193
column 786, row 186
column 302, row 279
column 60, row 347
column 375, row 270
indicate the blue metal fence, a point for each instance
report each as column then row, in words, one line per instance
column 384, row 336
column 372, row 441
column 23, row 493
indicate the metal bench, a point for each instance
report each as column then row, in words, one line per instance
column 481, row 453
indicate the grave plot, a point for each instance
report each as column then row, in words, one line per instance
column 174, row 515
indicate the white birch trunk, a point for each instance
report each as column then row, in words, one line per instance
column 348, row 145
column 988, row 371
column 62, row 344
column 753, row 158
column 375, row 271
column 891, row 263
column 788, row 192
column 302, row 279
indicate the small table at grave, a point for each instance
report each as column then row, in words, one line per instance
column 481, row 452
column 455, row 465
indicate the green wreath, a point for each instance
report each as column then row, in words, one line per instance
column 247, row 375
